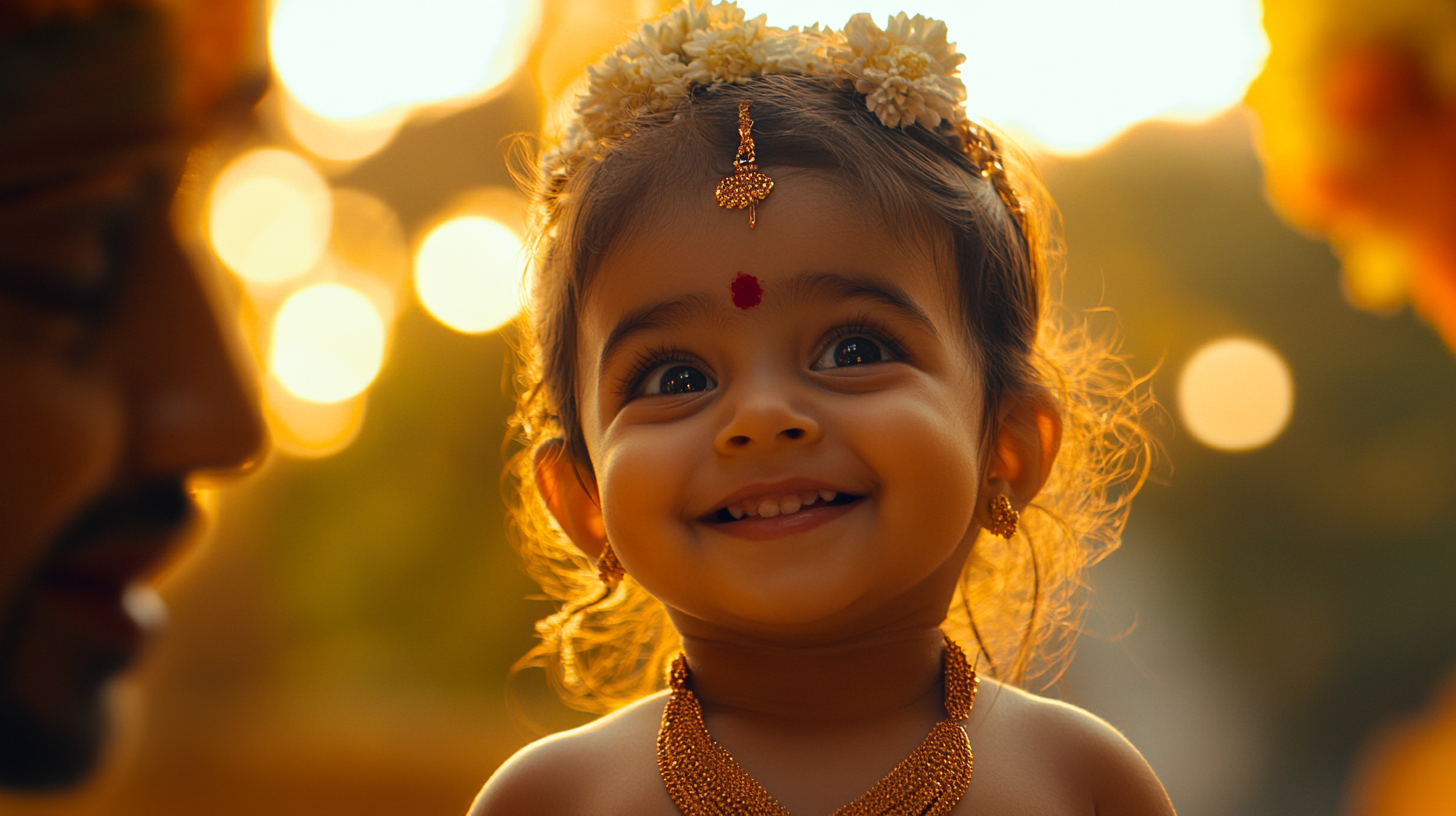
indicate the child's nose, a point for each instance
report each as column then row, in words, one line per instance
column 764, row 421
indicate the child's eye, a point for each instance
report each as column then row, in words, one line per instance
column 853, row 351
column 677, row 378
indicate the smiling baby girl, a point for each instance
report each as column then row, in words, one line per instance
column 808, row 462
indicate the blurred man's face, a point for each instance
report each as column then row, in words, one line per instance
column 114, row 382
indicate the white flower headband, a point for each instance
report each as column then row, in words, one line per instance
column 907, row 73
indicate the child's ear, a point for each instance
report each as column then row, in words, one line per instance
column 1027, row 441
column 571, row 497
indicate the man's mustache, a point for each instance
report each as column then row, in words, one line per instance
column 161, row 506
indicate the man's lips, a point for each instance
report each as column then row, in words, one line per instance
column 110, row 561
column 108, row 549
column 89, row 586
column 120, row 537
column 96, row 615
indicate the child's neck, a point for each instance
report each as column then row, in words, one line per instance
column 867, row 677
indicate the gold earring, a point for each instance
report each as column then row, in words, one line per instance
column 1004, row 517
column 609, row 569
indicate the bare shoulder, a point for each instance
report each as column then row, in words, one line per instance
column 1024, row 743
column 608, row 766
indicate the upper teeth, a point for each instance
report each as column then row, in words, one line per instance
column 770, row 506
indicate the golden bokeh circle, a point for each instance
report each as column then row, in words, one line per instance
column 1235, row 394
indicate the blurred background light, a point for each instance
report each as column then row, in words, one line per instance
column 367, row 249
column 347, row 59
column 307, row 429
column 1073, row 75
column 339, row 140
column 1235, row 394
column 269, row 216
column 469, row 273
column 327, row 343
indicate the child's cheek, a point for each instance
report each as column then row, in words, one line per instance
column 925, row 453
column 644, row 475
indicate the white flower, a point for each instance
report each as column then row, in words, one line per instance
column 655, row 40
column 907, row 73
column 672, row 32
column 575, row 140
column 634, row 81
column 805, row 51
column 557, row 163
column 732, row 53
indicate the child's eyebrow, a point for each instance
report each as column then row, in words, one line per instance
column 807, row 286
column 653, row 316
column 832, row 285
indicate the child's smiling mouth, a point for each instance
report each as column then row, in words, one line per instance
column 783, row 504
column 768, row 513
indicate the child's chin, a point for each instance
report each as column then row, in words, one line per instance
column 794, row 608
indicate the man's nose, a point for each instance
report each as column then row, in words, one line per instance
column 190, row 407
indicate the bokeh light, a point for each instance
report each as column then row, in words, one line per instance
column 269, row 216
column 1235, row 394
column 311, row 430
column 347, row 59
column 339, row 140
column 368, row 243
column 469, row 272
column 1073, row 74
column 327, row 343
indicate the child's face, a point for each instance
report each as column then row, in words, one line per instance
column 852, row 380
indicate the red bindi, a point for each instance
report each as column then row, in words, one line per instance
column 746, row 291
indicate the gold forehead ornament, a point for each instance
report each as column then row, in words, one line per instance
column 746, row 187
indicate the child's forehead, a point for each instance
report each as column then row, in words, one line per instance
column 812, row 246
column 682, row 241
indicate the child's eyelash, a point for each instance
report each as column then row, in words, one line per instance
column 650, row 359
column 865, row 325
column 646, row 361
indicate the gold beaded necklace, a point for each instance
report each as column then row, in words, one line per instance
column 703, row 779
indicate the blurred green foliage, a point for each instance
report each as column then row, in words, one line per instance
column 1325, row 562
column 389, row 562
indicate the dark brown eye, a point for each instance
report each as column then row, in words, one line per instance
column 681, row 379
column 856, row 351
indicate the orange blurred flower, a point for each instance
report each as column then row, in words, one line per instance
column 1358, row 109
column 1411, row 768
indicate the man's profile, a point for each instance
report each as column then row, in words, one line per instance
column 115, row 382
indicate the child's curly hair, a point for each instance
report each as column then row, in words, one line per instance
column 1018, row 601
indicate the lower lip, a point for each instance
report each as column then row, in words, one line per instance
column 98, row 612
column 759, row 528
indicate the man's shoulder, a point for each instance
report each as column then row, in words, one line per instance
column 567, row 772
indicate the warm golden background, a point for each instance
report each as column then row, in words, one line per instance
column 1273, row 635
